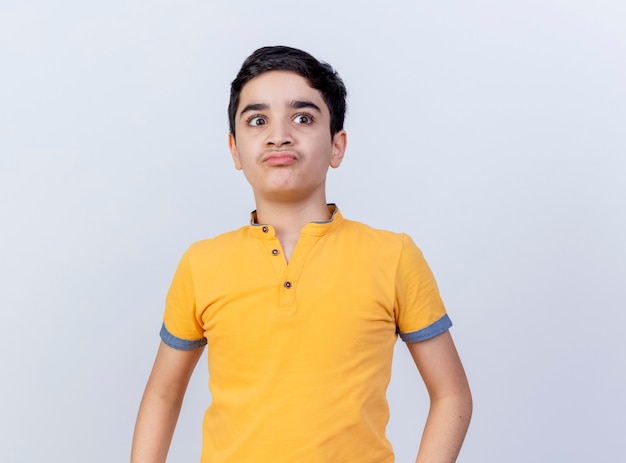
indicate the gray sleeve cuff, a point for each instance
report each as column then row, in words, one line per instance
column 441, row 325
column 178, row 343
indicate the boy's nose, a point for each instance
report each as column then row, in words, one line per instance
column 279, row 135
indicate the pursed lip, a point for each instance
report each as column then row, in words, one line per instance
column 280, row 158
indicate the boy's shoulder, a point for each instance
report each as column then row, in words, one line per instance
column 369, row 232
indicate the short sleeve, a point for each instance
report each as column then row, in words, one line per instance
column 420, row 312
column 181, row 327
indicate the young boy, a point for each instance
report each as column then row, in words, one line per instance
column 301, row 308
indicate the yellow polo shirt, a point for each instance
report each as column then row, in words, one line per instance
column 300, row 354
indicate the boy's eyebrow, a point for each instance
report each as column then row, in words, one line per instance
column 300, row 104
column 253, row 107
column 295, row 104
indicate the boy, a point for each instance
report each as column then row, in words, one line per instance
column 301, row 308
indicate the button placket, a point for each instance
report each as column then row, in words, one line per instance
column 274, row 253
column 291, row 275
column 287, row 294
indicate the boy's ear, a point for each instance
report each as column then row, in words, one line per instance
column 232, row 145
column 340, row 142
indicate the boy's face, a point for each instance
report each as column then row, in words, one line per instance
column 283, row 143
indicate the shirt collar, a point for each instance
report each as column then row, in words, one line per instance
column 312, row 228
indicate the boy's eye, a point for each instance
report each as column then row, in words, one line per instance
column 304, row 119
column 257, row 120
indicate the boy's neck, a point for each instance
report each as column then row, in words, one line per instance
column 291, row 218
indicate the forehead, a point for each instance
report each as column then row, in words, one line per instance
column 279, row 87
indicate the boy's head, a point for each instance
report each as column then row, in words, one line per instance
column 320, row 76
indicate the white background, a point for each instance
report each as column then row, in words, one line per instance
column 493, row 132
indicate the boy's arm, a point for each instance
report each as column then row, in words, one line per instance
column 450, row 399
column 161, row 403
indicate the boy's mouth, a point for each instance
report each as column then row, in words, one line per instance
column 280, row 158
